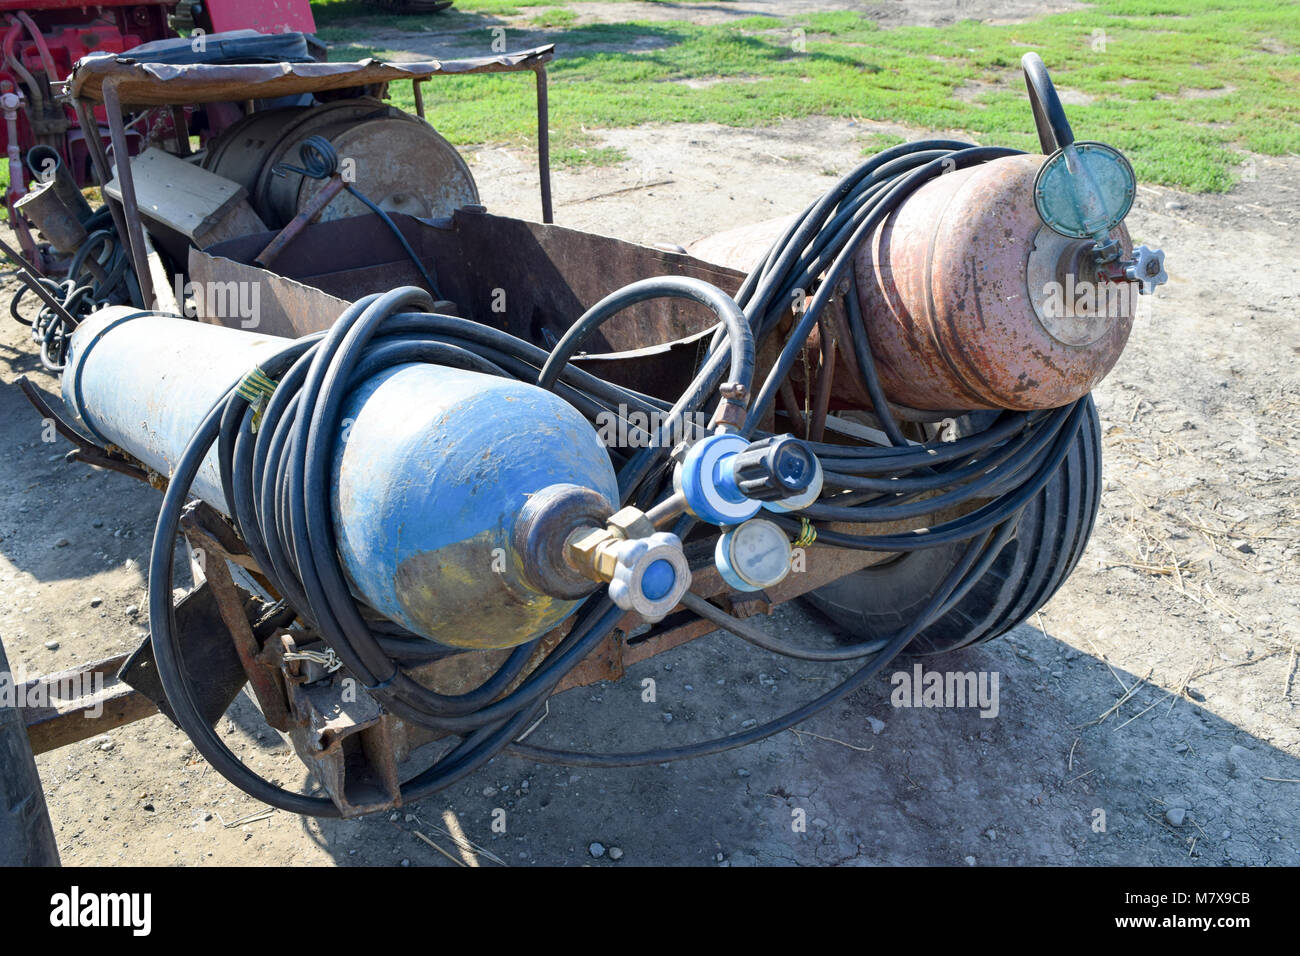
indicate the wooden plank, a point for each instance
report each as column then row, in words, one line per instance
column 181, row 196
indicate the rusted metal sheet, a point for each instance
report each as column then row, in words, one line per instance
column 526, row 278
column 164, row 84
column 282, row 302
column 215, row 670
column 569, row 271
column 345, row 259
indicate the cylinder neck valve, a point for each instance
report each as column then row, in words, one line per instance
column 646, row 569
column 571, row 544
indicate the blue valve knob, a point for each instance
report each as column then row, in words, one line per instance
column 726, row 479
column 651, row 575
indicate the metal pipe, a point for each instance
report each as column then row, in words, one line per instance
column 130, row 210
column 419, row 98
column 825, row 378
column 99, row 160
column 667, row 510
column 300, row 222
column 10, row 102
column 42, row 48
column 182, row 129
column 47, row 165
column 544, row 144
column 29, row 276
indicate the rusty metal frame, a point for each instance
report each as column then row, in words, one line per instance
column 130, row 205
column 63, row 720
column 85, row 451
column 207, row 534
column 544, row 142
column 101, row 78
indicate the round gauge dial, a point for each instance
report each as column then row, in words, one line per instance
column 754, row 555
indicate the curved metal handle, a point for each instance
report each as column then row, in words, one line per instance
column 1049, row 116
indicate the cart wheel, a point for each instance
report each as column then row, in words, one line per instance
column 26, row 837
column 1049, row 540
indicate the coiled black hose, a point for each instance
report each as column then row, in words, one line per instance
column 80, row 292
column 277, row 484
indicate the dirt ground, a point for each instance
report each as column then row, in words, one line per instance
column 1180, row 625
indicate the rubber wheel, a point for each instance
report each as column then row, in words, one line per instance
column 1049, row 540
column 26, row 837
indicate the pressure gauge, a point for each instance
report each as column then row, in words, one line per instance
column 753, row 556
column 1084, row 190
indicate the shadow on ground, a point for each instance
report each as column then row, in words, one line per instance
column 1042, row 782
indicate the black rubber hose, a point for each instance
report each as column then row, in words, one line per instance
column 761, row 639
column 959, row 580
column 166, row 645
column 1023, row 459
column 1049, row 115
column 967, row 526
column 739, row 337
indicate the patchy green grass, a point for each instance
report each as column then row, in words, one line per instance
column 873, row 143
column 553, row 18
column 576, row 154
column 1180, row 85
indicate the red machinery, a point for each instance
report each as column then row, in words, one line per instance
column 42, row 41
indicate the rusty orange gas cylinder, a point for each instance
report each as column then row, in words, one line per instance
column 971, row 302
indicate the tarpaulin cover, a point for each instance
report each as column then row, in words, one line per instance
column 164, row 84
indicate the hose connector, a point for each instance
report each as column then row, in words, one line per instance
column 725, row 479
column 732, row 410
